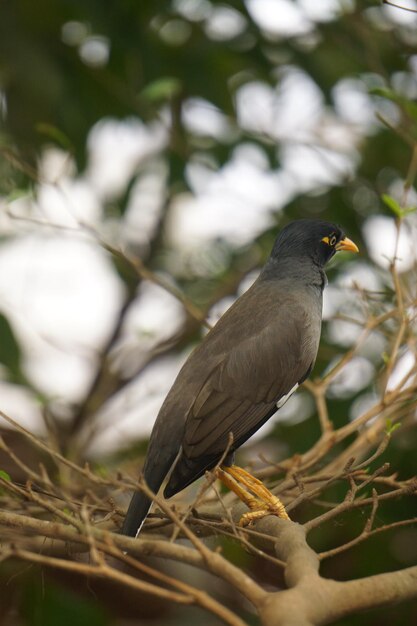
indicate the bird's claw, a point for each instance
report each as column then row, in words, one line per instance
column 260, row 509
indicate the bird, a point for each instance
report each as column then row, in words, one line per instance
column 246, row 367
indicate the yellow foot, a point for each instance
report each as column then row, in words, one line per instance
column 265, row 503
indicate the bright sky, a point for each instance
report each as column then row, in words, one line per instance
column 58, row 287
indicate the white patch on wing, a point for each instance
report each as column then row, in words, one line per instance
column 287, row 396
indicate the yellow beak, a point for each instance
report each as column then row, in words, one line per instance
column 347, row 245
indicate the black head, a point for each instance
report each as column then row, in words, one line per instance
column 312, row 239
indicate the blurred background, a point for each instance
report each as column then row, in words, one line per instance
column 182, row 135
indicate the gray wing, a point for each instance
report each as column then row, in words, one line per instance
column 241, row 391
column 247, row 384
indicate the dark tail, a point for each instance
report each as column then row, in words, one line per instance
column 154, row 473
column 136, row 514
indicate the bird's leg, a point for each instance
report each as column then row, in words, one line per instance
column 232, row 484
column 265, row 503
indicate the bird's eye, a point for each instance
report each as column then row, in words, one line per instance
column 331, row 240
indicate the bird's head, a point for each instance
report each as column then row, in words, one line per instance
column 312, row 239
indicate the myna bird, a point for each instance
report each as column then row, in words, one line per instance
column 243, row 371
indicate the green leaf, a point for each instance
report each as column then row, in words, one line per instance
column 396, row 208
column 384, row 92
column 10, row 354
column 393, row 205
column 5, row 476
column 408, row 105
column 390, row 427
column 54, row 133
column 123, row 202
column 162, row 89
column 17, row 194
column 101, row 470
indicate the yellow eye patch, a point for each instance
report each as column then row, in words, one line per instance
column 331, row 241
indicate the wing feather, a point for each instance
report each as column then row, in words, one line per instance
column 243, row 388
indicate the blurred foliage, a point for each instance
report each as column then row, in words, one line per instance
column 50, row 604
column 150, row 57
column 10, row 355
